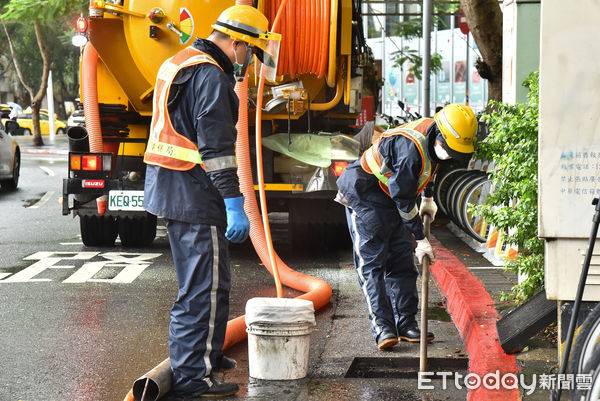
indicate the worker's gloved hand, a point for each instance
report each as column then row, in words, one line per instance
column 424, row 248
column 428, row 206
column 238, row 225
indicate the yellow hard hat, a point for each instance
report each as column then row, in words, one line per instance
column 458, row 126
column 246, row 23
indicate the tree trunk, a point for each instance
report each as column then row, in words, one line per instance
column 484, row 18
column 36, row 101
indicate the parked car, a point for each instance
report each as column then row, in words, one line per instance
column 76, row 119
column 10, row 160
column 25, row 122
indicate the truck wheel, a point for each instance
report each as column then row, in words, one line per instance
column 586, row 342
column 98, row 230
column 139, row 231
column 591, row 392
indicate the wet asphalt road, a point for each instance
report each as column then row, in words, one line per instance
column 70, row 332
column 72, row 336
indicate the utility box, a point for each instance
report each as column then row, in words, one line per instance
column 569, row 143
column 520, row 47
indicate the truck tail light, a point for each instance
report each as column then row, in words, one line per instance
column 75, row 162
column 82, row 164
column 91, row 162
column 338, row 168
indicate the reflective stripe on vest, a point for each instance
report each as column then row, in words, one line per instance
column 166, row 147
column 371, row 161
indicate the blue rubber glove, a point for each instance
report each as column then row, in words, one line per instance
column 238, row 225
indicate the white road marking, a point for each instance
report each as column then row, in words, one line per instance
column 131, row 266
column 47, row 171
column 42, row 201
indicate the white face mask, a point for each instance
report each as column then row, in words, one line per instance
column 440, row 152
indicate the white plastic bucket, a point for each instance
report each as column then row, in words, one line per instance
column 279, row 337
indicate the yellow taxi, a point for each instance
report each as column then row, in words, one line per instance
column 25, row 122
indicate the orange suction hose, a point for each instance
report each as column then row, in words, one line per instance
column 89, row 78
column 316, row 290
column 89, row 89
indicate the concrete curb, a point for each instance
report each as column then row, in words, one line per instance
column 473, row 312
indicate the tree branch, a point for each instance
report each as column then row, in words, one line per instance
column 15, row 61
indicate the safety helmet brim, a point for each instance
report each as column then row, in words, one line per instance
column 246, row 23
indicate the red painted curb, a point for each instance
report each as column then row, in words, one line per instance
column 473, row 312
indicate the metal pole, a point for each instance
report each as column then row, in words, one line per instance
column 467, row 73
column 50, row 98
column 424, row 302
column 383, row 71
column 452, row 69
column 425, row 81
column 436, row 76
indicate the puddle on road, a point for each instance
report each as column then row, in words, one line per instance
column 30, row 202
column 438, row 313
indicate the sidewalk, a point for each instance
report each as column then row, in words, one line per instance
column 58, row 147
column 344, row 363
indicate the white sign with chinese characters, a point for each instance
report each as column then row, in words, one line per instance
column 580, row 173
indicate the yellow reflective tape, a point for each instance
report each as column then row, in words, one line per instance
column 282, row 187
column 175, row 152
column 375, row 169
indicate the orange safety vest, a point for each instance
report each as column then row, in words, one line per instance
column 166, row 147
column 370, row 161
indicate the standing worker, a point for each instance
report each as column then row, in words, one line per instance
column 379, row 191
column 191, row 180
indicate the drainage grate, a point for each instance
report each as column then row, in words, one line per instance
column 402, row 367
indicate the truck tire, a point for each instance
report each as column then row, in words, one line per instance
column 591, row 368
column 586, row 342
column 135, row 232
column 98, row 230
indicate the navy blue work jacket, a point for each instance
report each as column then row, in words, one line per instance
column 204, row 107
column 362, row 191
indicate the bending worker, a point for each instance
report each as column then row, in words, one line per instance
column 191, row 180
column 379, row 191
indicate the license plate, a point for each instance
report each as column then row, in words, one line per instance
column 126, row 200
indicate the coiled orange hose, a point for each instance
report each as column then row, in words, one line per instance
column 305, row 36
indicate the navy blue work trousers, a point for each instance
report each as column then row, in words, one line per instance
column 200, row 313
column 384, row 261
